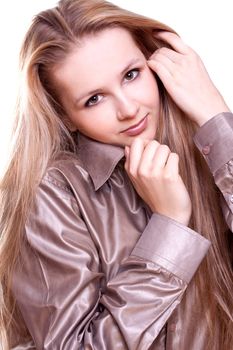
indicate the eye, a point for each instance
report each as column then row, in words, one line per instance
column 93, row 100
column 132, row 74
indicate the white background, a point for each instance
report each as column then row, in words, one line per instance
column 206, row 25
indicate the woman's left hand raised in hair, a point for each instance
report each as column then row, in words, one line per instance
column 186, row 80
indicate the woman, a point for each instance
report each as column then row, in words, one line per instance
column 112, row 232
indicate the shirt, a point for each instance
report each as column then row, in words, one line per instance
column 99, row 270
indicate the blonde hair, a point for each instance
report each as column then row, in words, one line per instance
column 40, row 133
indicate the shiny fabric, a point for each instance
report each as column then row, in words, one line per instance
column 99, row 270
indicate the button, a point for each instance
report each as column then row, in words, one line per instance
column 172, row 327
column 231, row 198
column 206, row 150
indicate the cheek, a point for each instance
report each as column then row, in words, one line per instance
column 150, row 88
column 88, row 119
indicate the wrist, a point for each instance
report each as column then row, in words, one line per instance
column 212, row 112
column 183, row 218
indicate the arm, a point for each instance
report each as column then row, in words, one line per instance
column 188, row 83
column 61, row 290
column 215, row 141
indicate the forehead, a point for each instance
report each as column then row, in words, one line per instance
column 107, row 44
column 106, row 50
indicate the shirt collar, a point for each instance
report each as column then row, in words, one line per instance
column 99, row 159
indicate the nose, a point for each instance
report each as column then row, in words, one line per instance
column 127, row 107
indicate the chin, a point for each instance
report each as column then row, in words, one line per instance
column 149, row 136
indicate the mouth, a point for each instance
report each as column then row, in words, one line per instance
column 136, row 129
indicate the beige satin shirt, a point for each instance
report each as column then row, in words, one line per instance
column 99, row 271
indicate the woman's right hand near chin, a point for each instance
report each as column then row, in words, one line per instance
column 154, row 172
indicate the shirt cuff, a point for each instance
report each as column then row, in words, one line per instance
column 172, row 245
column 215, row 140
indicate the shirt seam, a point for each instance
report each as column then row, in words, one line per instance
column 184, row 272
column 64, row 193
column 58, row 184
column 46, row 283
column 160, row 256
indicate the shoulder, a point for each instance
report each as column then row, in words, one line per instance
column 57, row 173
column 64, row 175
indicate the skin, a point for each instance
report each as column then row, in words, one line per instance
column 186, row 79
column 123, row 97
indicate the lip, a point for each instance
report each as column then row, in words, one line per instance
column 137, row 128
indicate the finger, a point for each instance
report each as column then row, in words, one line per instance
column 174, row 40
column 168, row 53
column 172, row 165
column 135, row 153
column 165, row 61
column 148, row 156
column 163, row 73
column 160, row 157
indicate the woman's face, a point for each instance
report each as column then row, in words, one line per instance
column 107, row 89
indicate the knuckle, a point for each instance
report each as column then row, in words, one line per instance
column 143, row 174
column 174, row 156
column 132, row 172
column 156, row 174
column 177, row 75
column 189, row 49
column 153, row 144
column 193, row 56
column 168, row 176
column 164, row 148
column 162, row 50
column 146, row 173
column 153, row 55
column 184, row 61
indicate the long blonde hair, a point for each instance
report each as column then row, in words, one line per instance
column 40, row 133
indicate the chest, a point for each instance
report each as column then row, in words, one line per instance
column 115, row 217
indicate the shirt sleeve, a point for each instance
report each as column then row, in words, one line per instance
column 58, row 285
column 215, row 141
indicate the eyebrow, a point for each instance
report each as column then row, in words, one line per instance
column 93, row 92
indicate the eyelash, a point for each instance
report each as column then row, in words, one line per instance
column 90, row 104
